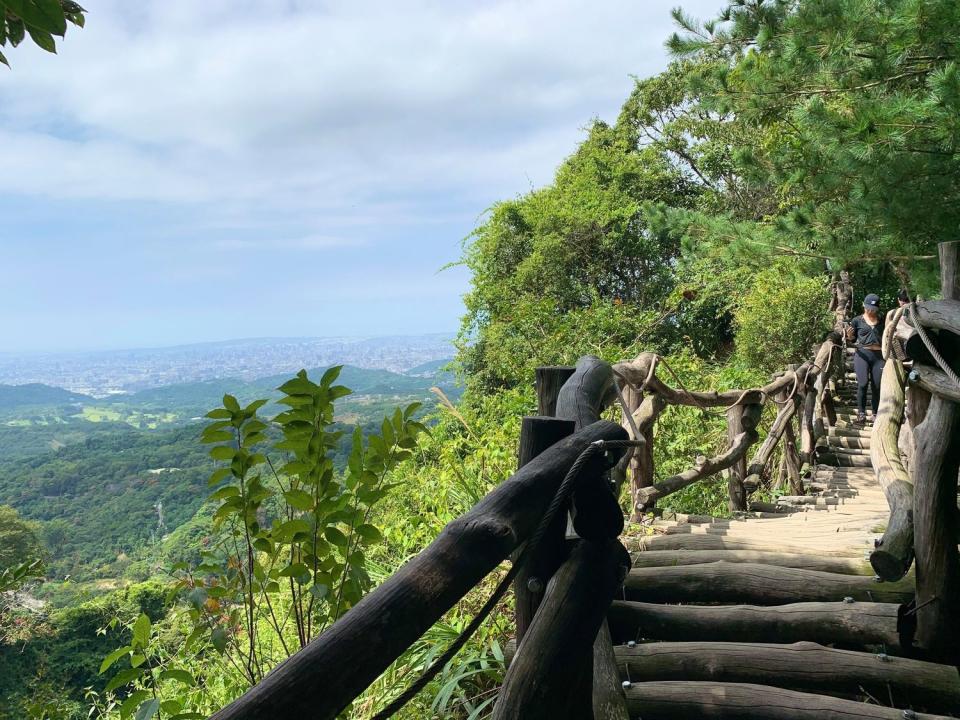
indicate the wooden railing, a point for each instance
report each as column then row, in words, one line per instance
column 564, row 666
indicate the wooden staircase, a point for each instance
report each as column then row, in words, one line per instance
column 777, row 613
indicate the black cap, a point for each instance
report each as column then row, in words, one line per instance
column 871, row 302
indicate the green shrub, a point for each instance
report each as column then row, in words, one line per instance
column 781, row 318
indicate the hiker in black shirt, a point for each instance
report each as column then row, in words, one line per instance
column 867, row 331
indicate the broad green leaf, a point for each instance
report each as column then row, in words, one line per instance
column 331, row 374
column 225, row 492
column 43, row 39
column 113, row 657
column 148, row 709
column 219, row 639
column 216, row 436
column 335, row 536
column 141, row 632
column 124, row 677
column 179, row 675
column 298, row 571
column 254, row 406
column 137, row 659
column 16, row 31
column 220, row 414
column 222, row 452
column 231, row 404
column 299, row 499
column 370, row 533
column 132, row 702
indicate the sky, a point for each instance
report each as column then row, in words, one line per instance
column 193, row 171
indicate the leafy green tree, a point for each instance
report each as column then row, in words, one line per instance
column 18, row 539
column 40, row 19
column 865, row 97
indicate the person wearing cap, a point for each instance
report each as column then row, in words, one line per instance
column 867, row 331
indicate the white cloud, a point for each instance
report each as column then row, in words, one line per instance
column 309, row 104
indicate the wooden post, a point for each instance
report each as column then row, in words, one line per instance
column 549, row 379
column 792, row 459
column 935, row 469
column 894, row 551
column 582, row 399
column 737, row 495
column 536, row 435
column 544, row 679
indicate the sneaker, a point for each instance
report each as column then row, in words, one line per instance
column 861, row 418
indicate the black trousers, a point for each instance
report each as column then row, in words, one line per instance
column 868, row 365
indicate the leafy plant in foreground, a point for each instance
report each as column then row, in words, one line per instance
column 291, row 536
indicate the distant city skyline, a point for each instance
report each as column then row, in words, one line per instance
column 185, row 172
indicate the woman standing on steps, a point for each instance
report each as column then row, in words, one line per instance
column 867, row 331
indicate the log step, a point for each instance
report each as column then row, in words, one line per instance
column 803, row 666
column 679, row 700
column 856, row 624
column 844, row 460
column 720, row 542
column 726, row 582
column 848, row 442
column 674, row 558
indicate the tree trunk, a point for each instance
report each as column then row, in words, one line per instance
column 548, row 381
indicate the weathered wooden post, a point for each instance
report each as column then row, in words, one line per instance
column 546, row 681
column 548, row 380
column 536, row 435
column 894, row 551
column 737, row 472
column 935, row 470
column 583, row 397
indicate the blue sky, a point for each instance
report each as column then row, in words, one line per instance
column 187, row 171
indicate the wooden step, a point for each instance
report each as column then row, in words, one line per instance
column 679, row 700
column 842, row 460
column 848, row 442
column 803, row 666
column 668, row 558
column 726, row 582
column 720, row 542
column 856, row 624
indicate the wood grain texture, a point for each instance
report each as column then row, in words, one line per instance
column 854, row 624
column 725, row 582
column 805, row 666
column 670, row 558
column 729, row 701
column 542, row 682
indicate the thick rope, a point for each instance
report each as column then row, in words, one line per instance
column 921, row 331
column 560, row 497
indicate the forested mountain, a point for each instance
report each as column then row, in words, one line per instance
column 785, row 141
